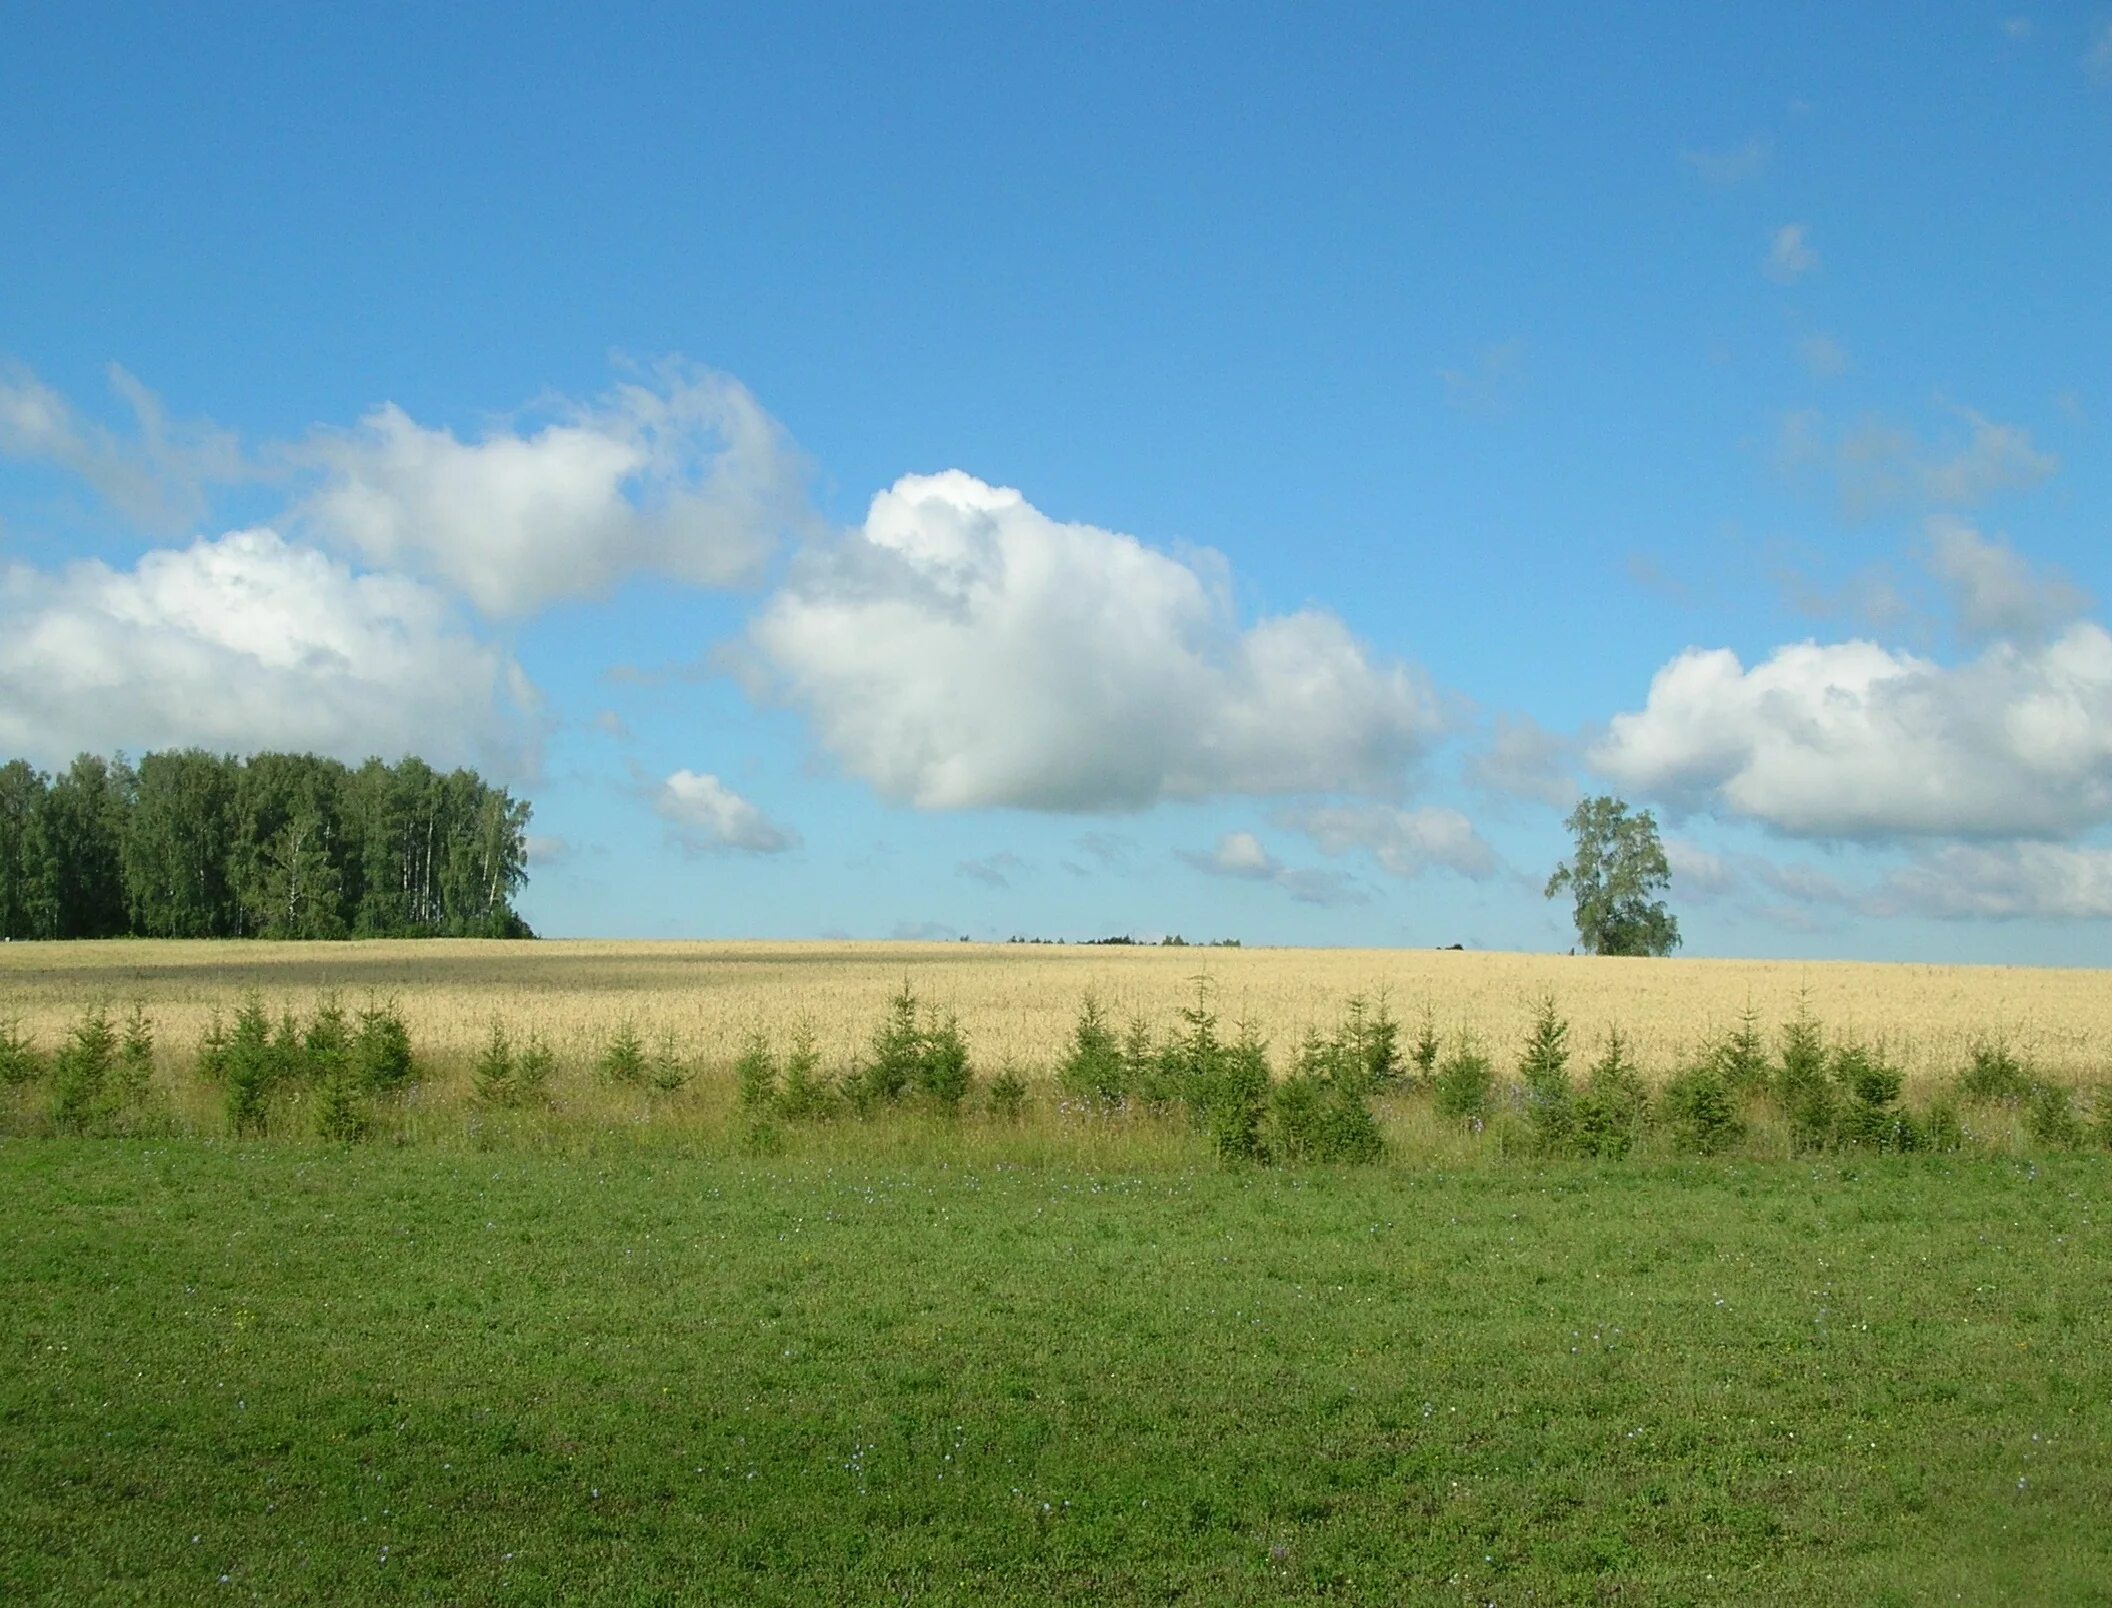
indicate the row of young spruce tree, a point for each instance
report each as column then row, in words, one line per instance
column 189, row 844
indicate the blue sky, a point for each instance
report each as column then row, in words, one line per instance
column 1004, row 470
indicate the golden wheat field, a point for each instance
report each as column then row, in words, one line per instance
column 1017, row 1002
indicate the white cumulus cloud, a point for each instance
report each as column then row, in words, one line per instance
column 1853, row 740
column 244, row 643
column 685, row 477
column 965, row 650
column 704, row 815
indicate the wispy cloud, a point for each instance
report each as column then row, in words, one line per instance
column 1790, row 254
column 1240, row 856
column 1490, row 382
column 1736, row 164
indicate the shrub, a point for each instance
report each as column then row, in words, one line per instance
column 492, row 1075
column 81, row 1074
column 133, row 1075
column 247, row 1065
column 1423, row 1054
column 1867, row 1114
column 1149, row 1072
column 755, row 1090
column 1463, row 1082
column 669, row 1070
column 1228, row 1092
column 1740, row 1056
column 1941, row 1129
column 1614, row 1105
column 1094, row 1068
column 2101, row 1115
column 381, row 1050
column 1801, row 1085
column 807, row 1092
column 1008, row 1095
column 942, row 1073
column 623, row 1061
column 1370, row 1040
column 1993, row 1076
column 19, row 1061
column 2051, row 1118
column 1550, row 1100
column 533, row 1064
column 1700, row 1110
column 891, row 1062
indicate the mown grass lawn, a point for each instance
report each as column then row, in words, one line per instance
column 280, row 1374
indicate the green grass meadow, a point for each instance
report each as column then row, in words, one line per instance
column 280, row 1373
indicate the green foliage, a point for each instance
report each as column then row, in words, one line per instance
column 624, row 1060
column 669, row 1070
column 1614, row 1106
column 1701, row 1110
column 492, row 1075
column 1149, row 1075
column 808, row 1093
column 1369, row 1038
column 1464, row 1082
column 1740, row 1056
column 133, row 1075
column 1550, row 1098
column 1867, row 1115
column 19, row 1061
column 1229, row 1094
column 381, row 1051
column 1423, row 1055
column 755, row 1077
column 2101, row 1116
column 81, row 1094
column 1941, row 1129
column 1993, row 1076
column 911, row 1050
column 247, row 1066
column 942, row 1072
column 533, row 1064
column 891, row 1064
column 1617, row 865
column 2051, row 1117
column 1801, row 1082
column 1008, row 1095
column 1094, row 1067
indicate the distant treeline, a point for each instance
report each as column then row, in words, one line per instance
column 1170, row 941
column 188, row 844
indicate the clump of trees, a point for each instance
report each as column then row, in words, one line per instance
column 188, row 844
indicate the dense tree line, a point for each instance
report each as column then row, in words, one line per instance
column 188, row 844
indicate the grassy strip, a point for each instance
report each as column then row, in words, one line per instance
column 287, row 1374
